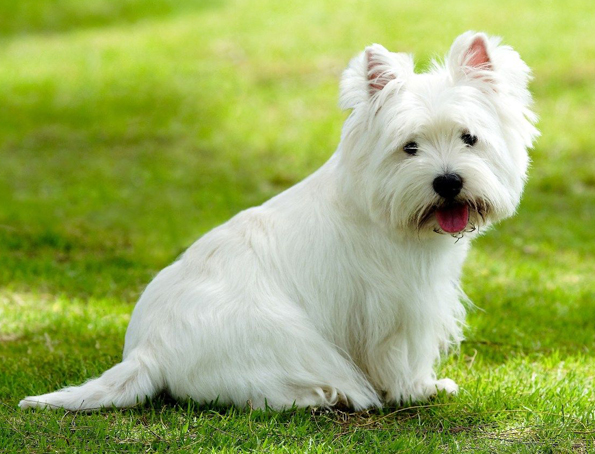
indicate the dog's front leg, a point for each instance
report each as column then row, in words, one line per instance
column 404, row 368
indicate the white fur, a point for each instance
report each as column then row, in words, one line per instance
column 335, row 290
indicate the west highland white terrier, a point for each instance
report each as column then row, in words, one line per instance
column 345, row 287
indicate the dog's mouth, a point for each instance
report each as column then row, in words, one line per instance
column 453, row 218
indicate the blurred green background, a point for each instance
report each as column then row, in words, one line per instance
column 129, row 128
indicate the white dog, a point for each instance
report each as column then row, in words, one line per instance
column 345, row 287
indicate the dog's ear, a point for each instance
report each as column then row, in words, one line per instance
column 370, row 72
column 481, row 60
column 379, row 68
column 470, row 57
column 476, row 56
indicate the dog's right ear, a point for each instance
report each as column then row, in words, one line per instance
column 370, row 72
column 379, row 68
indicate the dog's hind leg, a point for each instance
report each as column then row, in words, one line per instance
column 261, row 365
column 256, row 348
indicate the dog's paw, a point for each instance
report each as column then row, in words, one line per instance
column 422, row 391
column 446, row 385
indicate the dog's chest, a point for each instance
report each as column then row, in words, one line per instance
column 371, row 289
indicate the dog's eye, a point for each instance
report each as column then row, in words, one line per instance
column 469, row 139
column 410, row 148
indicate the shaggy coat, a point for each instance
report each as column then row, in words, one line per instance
column 345, row 287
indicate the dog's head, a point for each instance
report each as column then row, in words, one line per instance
column 444, row 151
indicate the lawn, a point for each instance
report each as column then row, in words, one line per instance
column 129, row 128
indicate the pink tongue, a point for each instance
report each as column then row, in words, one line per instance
column 453, row 219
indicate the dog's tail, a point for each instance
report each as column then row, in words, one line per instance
column 124, row 385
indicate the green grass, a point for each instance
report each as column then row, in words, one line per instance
column 130, row 128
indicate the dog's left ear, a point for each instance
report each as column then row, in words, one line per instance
column 470, row 57
column 481, row 60
column 477, row 57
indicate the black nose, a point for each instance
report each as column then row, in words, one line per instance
column 448, row 186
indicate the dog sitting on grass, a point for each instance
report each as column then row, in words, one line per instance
column 344, row 288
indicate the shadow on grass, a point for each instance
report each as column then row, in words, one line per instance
column 55, row 263
column 50, row 17
column 162, row 424
column 166, row 421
